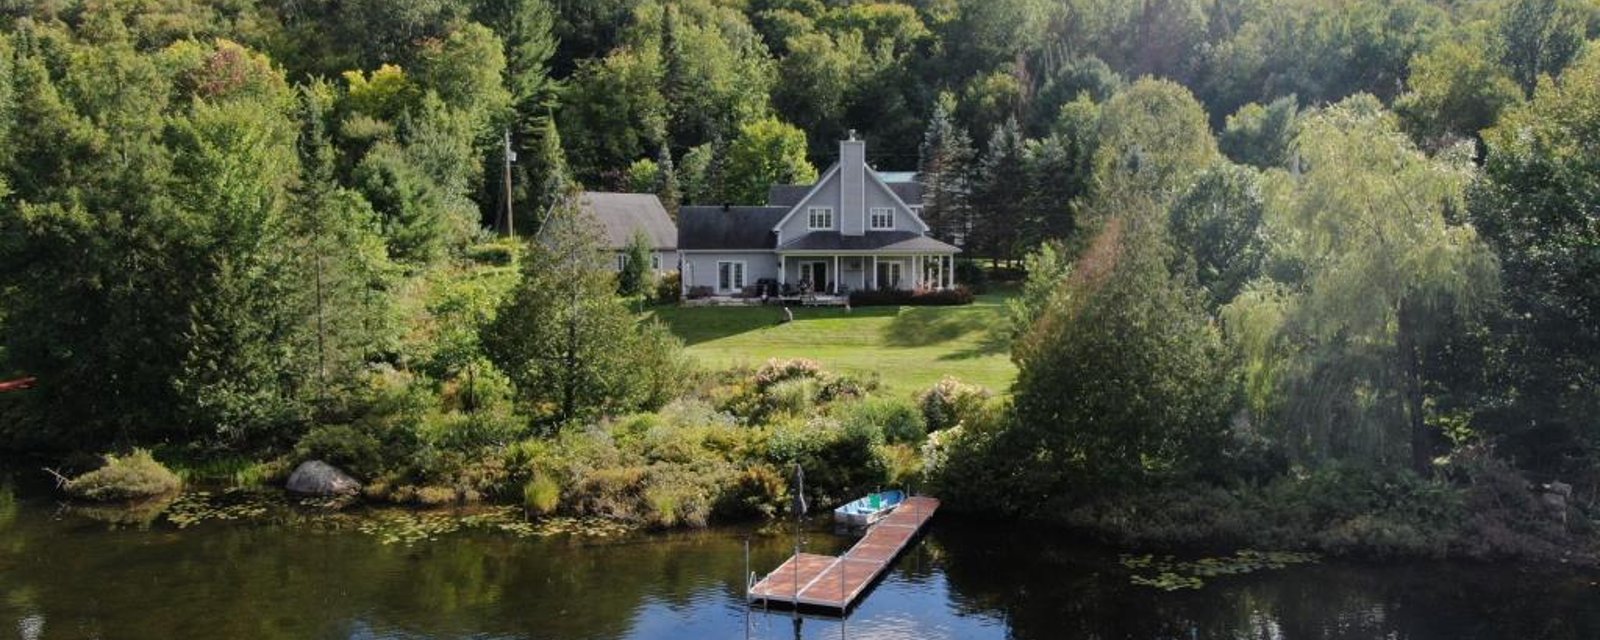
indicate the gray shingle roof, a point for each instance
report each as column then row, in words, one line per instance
column 892, row 241
column 910, row 192
column 621, row 214
column 735, row 228
column 786, row 195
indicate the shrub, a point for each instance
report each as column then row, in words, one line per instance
column 898, row 420
column 794, row 397
column 889, row 297
column 343, row 446
column 130, row 477
column 669, row 288
column 541, row 495
column 494, row 254
column 951, row 402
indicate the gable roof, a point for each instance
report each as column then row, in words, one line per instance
column 789, row 195
column 728, row 228
column 623, row 214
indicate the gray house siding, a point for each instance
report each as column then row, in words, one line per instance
column 700, row 268
column 799, row 224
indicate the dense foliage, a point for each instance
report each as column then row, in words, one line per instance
column 1275, row 248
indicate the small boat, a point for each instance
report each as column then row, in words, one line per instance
column 869, row 509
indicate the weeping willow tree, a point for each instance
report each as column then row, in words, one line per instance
column 1364, row 263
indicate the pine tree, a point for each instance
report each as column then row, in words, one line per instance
column 667, row 188
column 997, row 194
column 565, row 339
column 944, row 167
column 549, row 169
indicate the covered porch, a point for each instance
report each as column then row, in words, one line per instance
column 841, row 272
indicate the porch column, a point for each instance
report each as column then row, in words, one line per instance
column 875, row 284
column 783, row 273
column 835, row 275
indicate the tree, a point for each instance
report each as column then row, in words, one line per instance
column 1365, row 262
column 641, row 176
column 1060, row 173
column 1536, row 206
column 1216, row 226
column 1123, row 379
column 339, row 256
column 1153, row 136
column 572, row 348
column 998, row 212
column 1456, row 91
column 1261, row 136
column 767, row 152
column 1541, row 37
column 666, row 184
column 945, row 168
column 634, row 278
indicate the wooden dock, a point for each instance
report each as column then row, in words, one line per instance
column 810, row 580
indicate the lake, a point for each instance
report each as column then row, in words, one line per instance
column 65, row 574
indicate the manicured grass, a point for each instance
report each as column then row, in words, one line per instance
column 908, row 348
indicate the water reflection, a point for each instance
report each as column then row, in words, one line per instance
column 89, row 579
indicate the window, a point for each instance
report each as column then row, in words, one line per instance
column 890, row 275
column 622, row 261
column 655, row 261
column 730, row 276
column 881, row 218
column 819, row 218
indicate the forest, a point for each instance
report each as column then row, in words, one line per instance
column 1291, row 272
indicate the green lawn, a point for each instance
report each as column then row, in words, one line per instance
column 908, row 348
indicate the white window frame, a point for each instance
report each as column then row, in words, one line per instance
column 811, row 218
column 622, row 261
column 736, row 284
column 872, row 219
column 655, row 261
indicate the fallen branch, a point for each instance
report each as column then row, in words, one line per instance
column 61, row 480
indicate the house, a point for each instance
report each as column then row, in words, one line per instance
column 855, row 229
column 621, row 215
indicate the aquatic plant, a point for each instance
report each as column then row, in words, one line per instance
column 1170, row 574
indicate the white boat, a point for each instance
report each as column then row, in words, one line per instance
column 868, row 509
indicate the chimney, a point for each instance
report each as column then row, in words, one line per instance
column 852, row 186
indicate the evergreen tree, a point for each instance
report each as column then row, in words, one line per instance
column 634, row 278
column 549, row 171
column 1123, row 380
column 565, row 339
column 944, row 167
column 998, row 205
column 666, row 186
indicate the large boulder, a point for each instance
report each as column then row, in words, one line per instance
column 318, row 478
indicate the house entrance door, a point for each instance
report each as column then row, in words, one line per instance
column 815, row 274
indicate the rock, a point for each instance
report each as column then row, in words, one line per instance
column 1554, row 497
column 318, row 478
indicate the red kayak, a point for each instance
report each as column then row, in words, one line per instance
column 18, row 385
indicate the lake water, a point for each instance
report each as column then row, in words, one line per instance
column 66, row 575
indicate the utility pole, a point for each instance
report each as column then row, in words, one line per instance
column 510, row 157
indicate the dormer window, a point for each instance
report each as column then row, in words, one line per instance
column 819, row 218
column 881, row 219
